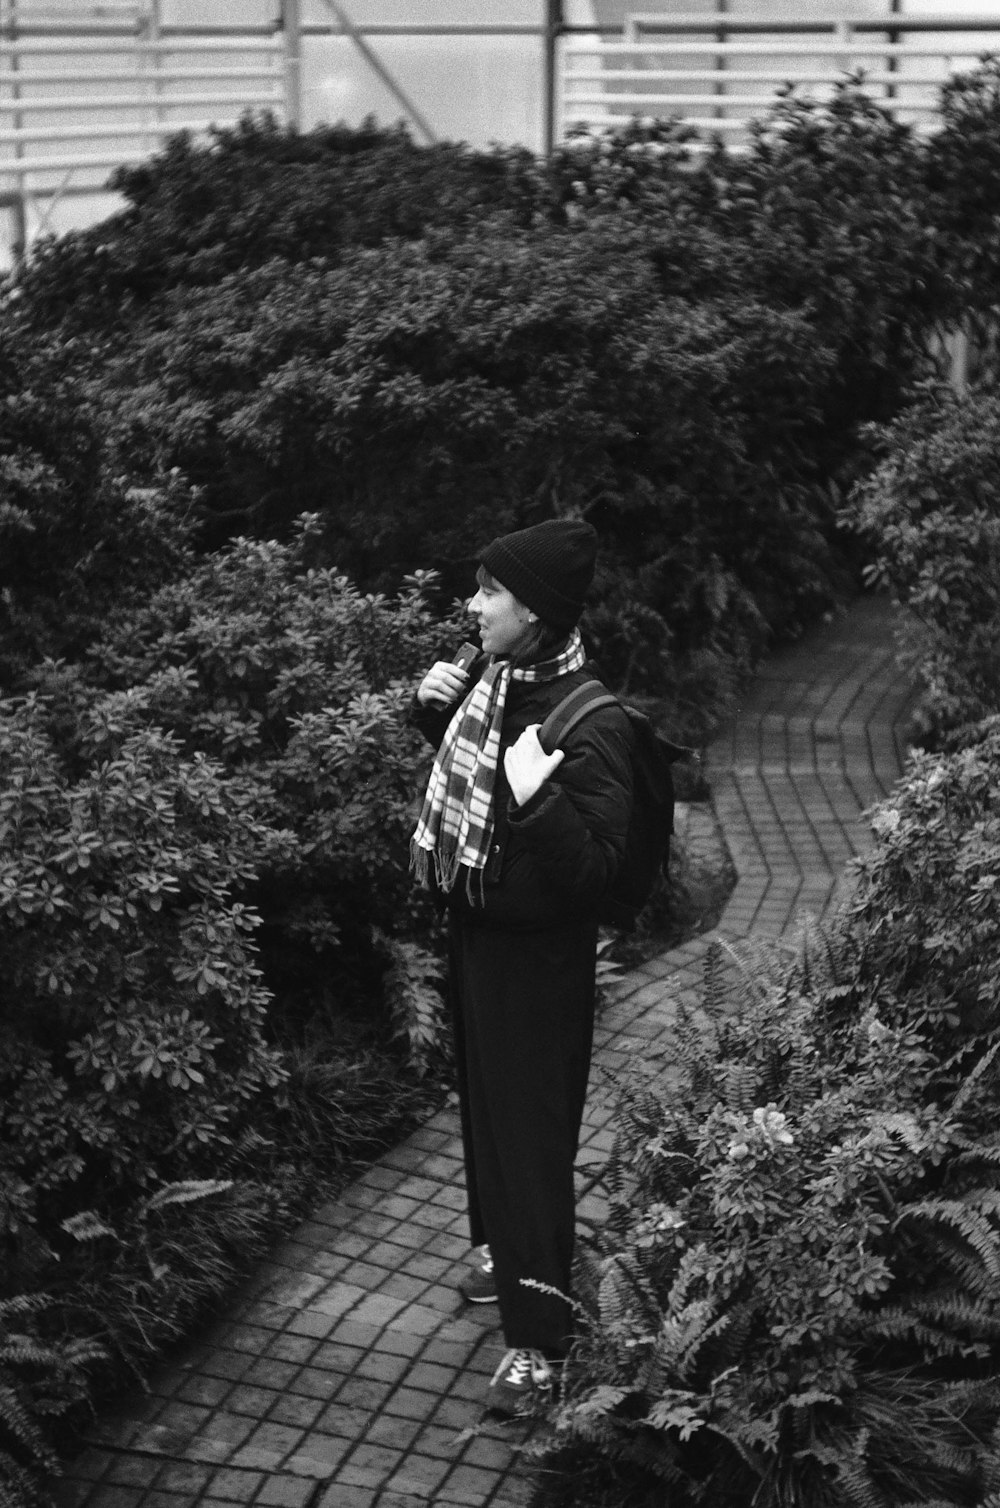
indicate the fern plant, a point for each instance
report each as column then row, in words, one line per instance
column 796, row 1296
column 136, row 1280
column 40, row 1379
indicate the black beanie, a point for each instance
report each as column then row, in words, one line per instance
column 547, row 567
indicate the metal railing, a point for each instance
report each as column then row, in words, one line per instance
column 717, row 73
column 91, row 87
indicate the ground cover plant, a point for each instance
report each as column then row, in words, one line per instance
column 795, row 1297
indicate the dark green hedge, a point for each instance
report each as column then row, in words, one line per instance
column 425, row 345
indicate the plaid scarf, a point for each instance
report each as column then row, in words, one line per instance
column 456, row 822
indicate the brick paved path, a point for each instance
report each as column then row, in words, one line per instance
column 344, row 1375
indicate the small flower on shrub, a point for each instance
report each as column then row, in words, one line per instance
column 885, row 821
column 770, row 1126
column 766, row 1131
column 660, row 1220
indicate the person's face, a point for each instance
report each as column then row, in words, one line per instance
column 505, row 624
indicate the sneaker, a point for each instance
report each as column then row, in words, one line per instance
column 480, row 1286
column 521, row 1381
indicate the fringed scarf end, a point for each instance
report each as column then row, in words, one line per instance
column 446, row 866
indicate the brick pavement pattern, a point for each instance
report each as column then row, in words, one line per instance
column 346, row 1373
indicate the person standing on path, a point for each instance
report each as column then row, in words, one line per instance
column 521, row 847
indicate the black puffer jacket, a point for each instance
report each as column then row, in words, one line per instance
column 553, row 858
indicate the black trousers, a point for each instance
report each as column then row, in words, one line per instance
column 523, row 1011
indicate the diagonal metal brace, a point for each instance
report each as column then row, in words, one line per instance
column 348, row 27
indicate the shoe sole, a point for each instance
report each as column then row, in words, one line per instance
column 480, row 1298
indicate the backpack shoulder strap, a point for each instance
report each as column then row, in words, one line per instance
column 572, row 710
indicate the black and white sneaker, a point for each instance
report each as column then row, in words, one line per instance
column 521, row 1382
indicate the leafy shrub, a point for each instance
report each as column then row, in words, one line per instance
column 794, row 1298
column 133, row 1032
column 926, row 916
column 81, row 538
column 825, row 213
column 506, row 378
column 796, row 1295
column 223, row 786
column 964, row 191
column 299, row 686
column 930, row 513
column 261, row 191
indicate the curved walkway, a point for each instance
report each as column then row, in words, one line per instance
column 345, row 1375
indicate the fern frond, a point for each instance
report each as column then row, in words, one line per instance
column 744, row 1439
column 26, row 1350
column 969, row 1154
column 948, row 1503
column 87, row 1225
column 186, row 1191
column 740, row 1087
column 855, row 1480
column 21, row 1304
column 626, row 1296
column 957, row 1312
column 677, row 1409
column 972, row 1078
column 960, row 1263
column 20, row 1488
column 990, row 1465
column 977, row 1231
column 600, row 1400
column 17, row 1424
column 896, row 1323
column 951, row 1458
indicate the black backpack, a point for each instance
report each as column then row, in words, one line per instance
column 647, row 844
